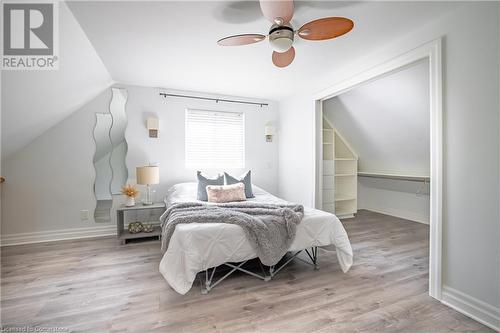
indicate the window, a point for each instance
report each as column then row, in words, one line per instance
column 215, row 139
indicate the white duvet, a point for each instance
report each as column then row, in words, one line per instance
column 195, row 247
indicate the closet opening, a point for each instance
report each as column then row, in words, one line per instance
column 378, row 157
column 376, row 147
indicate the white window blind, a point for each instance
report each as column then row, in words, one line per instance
column 215, row 139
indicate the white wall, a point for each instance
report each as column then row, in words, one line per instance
column 471, row 256
column 405, row 199
column 35, row 100
column 387, row 123
column 54, row 175
column 52, row 178
column 168, row 150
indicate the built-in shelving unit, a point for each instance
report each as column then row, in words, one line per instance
column 340, row 172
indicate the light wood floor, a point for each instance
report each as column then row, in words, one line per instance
column 99, row 286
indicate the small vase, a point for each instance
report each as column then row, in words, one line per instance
column 130, row 202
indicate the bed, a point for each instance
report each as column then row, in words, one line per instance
column 198, row 247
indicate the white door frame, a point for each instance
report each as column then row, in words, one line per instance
column 432, row 52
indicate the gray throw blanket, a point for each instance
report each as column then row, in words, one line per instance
column 269, row 228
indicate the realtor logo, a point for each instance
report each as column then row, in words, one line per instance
column 29, row 36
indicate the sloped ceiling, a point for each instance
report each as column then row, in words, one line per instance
column 173, row 44
column 34, row 101
column 387, row 121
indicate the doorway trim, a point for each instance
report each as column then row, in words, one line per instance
column 433, row 52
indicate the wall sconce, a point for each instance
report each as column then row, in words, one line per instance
column 153, row 125
column 269, row 131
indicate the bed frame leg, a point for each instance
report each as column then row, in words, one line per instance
column 208, row 281
column 315, row 251
column 314, row 257
column 271, row 272
column 266, row 277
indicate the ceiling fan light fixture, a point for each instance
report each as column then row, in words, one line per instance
column 281, row 45
column 281, row 38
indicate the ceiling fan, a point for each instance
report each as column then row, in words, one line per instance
column 281, row 34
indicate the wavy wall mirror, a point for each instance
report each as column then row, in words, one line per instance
column 110, row 153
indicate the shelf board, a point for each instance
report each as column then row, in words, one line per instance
column 344, row 159
column 345, row 199
column 139, row 206
column 328, row 143
column 127, row 235
column 345, row 174
column 345, row 214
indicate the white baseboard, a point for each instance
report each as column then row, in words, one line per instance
column 399, row 213
column 57, row 235
column 480, row 311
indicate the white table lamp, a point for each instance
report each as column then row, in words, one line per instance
column 148, row 175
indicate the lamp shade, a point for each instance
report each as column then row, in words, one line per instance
column 147, row 175
column 153, row 123
column 269, row 130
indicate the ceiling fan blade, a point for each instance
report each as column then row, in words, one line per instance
column 283, row 59
column 326, row 28
column 243, row 39
column 274, row 10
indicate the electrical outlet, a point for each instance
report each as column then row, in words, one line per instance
column 84, row 215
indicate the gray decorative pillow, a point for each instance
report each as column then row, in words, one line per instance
column 245, row 179
column 204, row 181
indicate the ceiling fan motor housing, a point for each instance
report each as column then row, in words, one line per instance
column 281, row 37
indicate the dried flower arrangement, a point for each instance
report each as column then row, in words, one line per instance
column 130, row 191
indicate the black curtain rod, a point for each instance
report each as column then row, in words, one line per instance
column 217, row 100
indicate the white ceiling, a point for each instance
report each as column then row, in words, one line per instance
column 173, row 44
column 387, row 121
column 34, row 101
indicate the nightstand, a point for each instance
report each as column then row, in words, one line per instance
column 123, row 233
